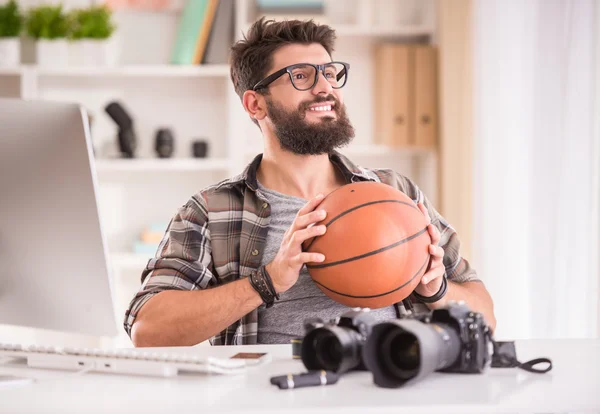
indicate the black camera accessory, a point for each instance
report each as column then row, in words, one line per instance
column 440, row 294
column 261, row 281
column 118, row 114
column 307, row 379
column 127, row 142
column 127, row 136
column 200, row 148
column 165, row 143
column 505, row 356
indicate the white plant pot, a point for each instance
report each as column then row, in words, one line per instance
column 76, row 53
column 10, row 51
column 90, row 52
column 52, row 52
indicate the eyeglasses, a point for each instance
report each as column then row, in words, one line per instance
column 304, row 75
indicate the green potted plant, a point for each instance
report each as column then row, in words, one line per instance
column 91, row 36
column 11, row 24
column 49, row 27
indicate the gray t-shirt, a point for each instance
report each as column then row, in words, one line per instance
column 285, row 319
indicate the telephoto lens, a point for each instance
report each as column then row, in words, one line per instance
column 453, row 339
column 337, row 346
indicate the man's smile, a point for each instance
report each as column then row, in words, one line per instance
column 322, row 108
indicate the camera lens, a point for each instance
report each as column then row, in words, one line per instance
column 400, row 353
column 332, row 348
column 328, row 350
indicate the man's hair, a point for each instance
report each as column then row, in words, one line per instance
column 252, row 57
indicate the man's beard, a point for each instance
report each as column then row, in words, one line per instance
column 297, row 135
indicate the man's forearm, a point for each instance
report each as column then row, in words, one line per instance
column 184, row 318
column 475, row 296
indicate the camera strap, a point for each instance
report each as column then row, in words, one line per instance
column 505, row 356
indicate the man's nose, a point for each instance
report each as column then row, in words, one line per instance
column 322, row 86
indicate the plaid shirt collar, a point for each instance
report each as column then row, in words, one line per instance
column 350, row 171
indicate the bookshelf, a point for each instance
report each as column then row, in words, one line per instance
column 165, row 165
column 199, row 102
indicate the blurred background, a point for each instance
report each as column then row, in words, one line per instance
column 490, row 106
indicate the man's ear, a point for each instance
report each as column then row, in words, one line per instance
column 254, row 103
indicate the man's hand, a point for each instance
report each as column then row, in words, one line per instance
column 285, row 267
column 432, row 279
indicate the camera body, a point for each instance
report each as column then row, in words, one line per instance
column 473, row 333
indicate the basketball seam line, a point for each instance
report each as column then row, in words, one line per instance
column 381, row 294
column 365, row 205
column 356, row 208
column 371, row 253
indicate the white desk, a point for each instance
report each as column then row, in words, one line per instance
column 572, row 386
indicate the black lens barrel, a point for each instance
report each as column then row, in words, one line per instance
column 402, row 351
column 332, row 348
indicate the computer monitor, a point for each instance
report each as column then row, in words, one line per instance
column 54, row 270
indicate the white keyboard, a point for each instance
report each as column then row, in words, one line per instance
column 135, row 361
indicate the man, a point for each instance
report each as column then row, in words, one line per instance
column 230, row 267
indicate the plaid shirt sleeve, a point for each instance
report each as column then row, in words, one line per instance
column 458, row 269
column 183, row 260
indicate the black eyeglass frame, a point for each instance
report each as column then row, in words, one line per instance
column 318, row 68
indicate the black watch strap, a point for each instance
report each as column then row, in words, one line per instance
column 440, row 294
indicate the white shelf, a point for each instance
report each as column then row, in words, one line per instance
column 162, row 165
column 164, row 71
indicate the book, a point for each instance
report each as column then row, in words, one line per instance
column 221, row 35
column 406, row 95
column 426, row 96
column 394, row 79
column 205, row 29
column 190, row 25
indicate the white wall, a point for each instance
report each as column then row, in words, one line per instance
column 536, row 171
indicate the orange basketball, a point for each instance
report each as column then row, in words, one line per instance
column 376, row 246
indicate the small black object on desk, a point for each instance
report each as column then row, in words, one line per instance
column 307, row 379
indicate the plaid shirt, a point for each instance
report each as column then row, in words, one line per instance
column 219, row 236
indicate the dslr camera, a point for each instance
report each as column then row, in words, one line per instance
column 399, row 351
column 337, row 345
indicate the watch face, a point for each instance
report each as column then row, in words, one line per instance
column 249, row 355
